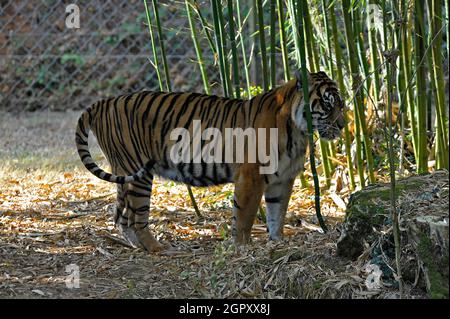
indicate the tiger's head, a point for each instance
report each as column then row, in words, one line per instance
column 327, row 106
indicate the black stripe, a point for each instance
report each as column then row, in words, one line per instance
column 81, row 124
column 90, row 166
column 135, row 194
column 235, row 204
column 272, row 199
column 143, row 209
column 83, row 157
column 289, row 137
column 80, row 140
column 163, row 104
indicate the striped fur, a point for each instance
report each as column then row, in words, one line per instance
column 133, row 132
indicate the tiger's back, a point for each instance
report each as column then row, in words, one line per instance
column 143, row 123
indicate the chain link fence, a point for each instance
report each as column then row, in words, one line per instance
column 45, row 64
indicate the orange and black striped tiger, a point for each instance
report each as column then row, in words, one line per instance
column 134, row 133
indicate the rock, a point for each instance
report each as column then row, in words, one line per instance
column 429, row 237
column 422, row 203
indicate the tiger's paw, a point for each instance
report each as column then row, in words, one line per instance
column 129, row 234
column 149, row 242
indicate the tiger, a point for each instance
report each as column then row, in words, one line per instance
column 134, row 134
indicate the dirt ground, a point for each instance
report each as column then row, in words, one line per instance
column 56, row 224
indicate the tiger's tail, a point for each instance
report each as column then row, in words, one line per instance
column 81, row 139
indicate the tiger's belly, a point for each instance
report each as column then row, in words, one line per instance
column 198, row 174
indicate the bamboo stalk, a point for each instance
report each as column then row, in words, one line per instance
column 439, row 138
column 220, row 47
column 205, row 28
column 420, row 111
column 283, row 40
column 405, row 61
column 152, row 39
column 161, row 45
column 294, row 27
column 244, row 53
column 273, row 67
column 326, row 26
column 312, row 52
column 342, row 89
column 400, row 80
column 302, row 55
column 374, row 54
column 294, row 30
column 359, row 109
column 435, row 12
column 314, row 66
column 391, row 58
column 235, row 62
column 258, row 10
column 447, row 18
column 365, row 68
column 167, row 77
column 392, row 193
column 328, row 61
column 197, row 47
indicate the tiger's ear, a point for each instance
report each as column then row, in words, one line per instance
column 298, row 76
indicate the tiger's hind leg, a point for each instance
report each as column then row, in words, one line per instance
column 122, row 216
column 248, row 192
column 133, row 206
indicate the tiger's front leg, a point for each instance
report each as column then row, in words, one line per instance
column 249, row 188
column 277, row 197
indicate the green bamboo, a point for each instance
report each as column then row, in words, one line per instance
column 447, row 19
column 302, row 55
column 343, row 90
column 283, row 39
column 400, row 81
column 167, row 76
column 235, row 63
column 405, row 62
column 198, row 51
column 311, row 48
column 161, row 45
column 224, row 46
column 374, row 64
column 360, row 124
column 364, row 65
column 367, row 83
column 326, row 25
column 205, row 28
column 359, row 108
column 244, row 53
column 258, row 10
column 390, row 57
column 294, row 27
column 272, row 44
column 152, row 39
column 220, row 47
column 433, row 90
column 328, row 61
column 435, row 12
column 314, row 66
column 421, row 98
